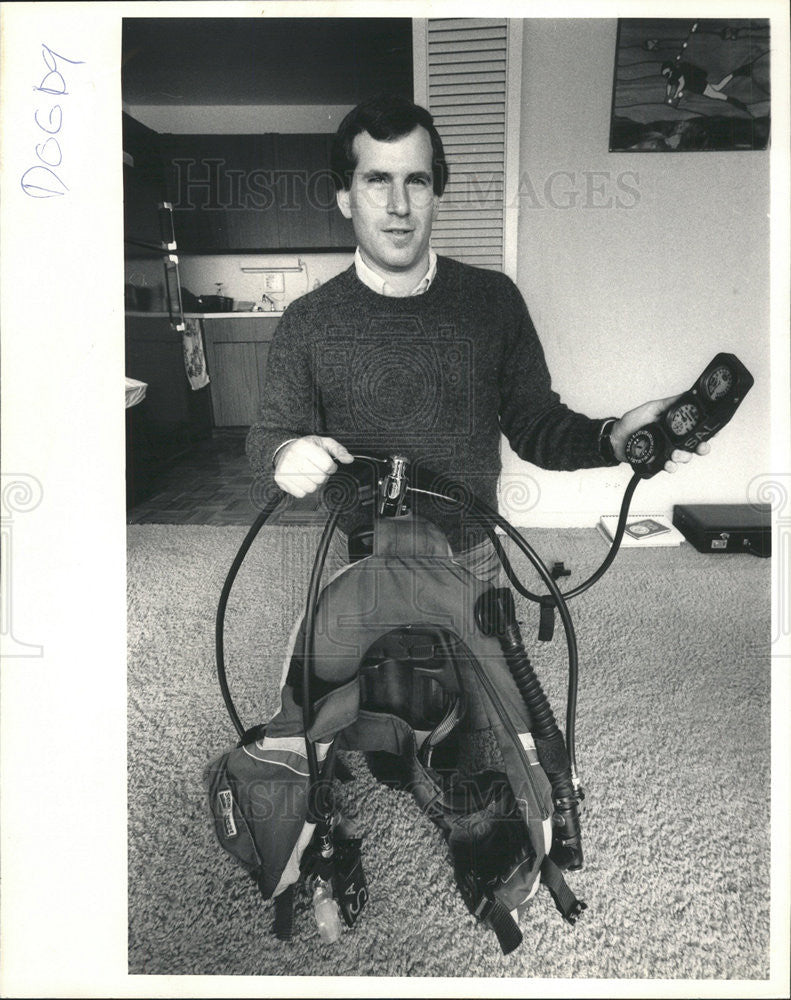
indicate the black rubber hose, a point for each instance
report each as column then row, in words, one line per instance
column 568, row 626
column 616, row 542
column 513, row 579
column 517, row 584
column 318, row 566
column 318, row 811
column 219, row 628
column 496, row 615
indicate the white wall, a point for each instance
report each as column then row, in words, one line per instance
column 200, row 273
column 631, row 302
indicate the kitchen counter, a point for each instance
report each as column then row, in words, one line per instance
column 209, row 315
column 232, row 315
column 237, row 349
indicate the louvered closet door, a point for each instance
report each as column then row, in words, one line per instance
column 466, row 87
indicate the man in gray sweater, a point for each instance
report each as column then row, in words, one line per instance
column 410, row 353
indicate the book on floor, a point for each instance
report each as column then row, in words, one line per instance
column 642, row 530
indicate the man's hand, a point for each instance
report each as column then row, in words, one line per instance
column 305, row 464
column 639, row 417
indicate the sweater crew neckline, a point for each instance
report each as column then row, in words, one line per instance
column 406, row 303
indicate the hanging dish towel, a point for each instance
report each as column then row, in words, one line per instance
column 135, row 391
column 194, row 358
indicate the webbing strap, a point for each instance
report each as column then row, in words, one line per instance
column 284, row 914
column 504, row 926
column 546, row 622
column 570, row 907
column 489, row 911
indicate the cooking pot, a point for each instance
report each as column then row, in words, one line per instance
column 215, row 303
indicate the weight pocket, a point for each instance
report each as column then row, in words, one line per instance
column 230, row 825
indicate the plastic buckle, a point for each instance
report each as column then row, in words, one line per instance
column 575, row 912
column 483, row 909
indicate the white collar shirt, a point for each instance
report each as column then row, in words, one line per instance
column 378, row 284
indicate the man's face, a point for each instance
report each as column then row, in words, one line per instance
column 391, row 202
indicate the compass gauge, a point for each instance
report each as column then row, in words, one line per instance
column 718, row 383
column 641, row 446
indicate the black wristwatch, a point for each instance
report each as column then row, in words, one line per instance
column 605, row 444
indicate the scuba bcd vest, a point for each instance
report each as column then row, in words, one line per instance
column 409, row 646
column 401, row 650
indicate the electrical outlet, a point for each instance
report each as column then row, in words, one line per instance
column 274, row 281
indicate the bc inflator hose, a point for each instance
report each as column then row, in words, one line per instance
column 496, row 615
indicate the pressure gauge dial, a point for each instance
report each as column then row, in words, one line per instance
column 718, row 383
column 640, row 447
column 682, row 419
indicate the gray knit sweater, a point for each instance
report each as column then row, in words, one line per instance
column 436, row 377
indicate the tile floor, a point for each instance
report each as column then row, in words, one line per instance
column 213, row 485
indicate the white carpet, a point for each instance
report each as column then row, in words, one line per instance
column 673, row 747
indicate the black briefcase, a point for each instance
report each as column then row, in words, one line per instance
column 726, row 527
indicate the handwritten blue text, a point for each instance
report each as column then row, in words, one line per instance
column 41, row 180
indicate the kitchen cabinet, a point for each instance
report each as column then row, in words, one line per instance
column 306, row 194
column 253, row 193
column 172, row 417
column 144, row 182
column 236, row 355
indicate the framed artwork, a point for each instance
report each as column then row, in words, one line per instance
column 683, row 85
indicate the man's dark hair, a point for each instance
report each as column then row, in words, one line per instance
column 384, row 117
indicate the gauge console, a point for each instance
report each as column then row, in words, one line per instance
column 693, row 417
